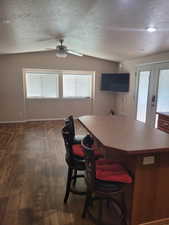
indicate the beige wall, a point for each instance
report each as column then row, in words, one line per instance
column 125, row 103
column 15, row 108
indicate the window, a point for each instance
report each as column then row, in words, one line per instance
column 77, row 85
column 42, row 85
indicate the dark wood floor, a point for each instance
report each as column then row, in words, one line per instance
column 33, row 174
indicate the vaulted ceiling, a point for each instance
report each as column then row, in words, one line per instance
column 109, row 29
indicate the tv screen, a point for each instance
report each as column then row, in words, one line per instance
column 116, row 82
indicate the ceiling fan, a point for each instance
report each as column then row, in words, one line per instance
column 62, row 51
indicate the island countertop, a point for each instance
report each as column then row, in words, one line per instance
column 127, row 135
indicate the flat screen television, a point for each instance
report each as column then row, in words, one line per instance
column 116, row 82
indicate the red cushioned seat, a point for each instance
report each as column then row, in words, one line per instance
column 116, row 174
column 77, row 150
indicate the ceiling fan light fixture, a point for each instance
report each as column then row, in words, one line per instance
column 61, row 51
column 61, row 54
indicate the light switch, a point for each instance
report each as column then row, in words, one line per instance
column 148, row 160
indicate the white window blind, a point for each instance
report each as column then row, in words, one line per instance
column 42, row 85
column 77, row 86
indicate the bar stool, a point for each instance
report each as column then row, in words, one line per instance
column 105, row 180
column 76, row 138
column 75, row 160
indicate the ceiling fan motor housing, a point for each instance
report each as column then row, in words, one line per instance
column 61, row 51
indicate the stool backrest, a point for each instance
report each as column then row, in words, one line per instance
column 69, row 120
column 90, row 171
column 68, row 140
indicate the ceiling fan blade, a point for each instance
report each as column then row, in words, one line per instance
column 54, row 38
column 50, row 48
column 46, row 39
column 74, row 53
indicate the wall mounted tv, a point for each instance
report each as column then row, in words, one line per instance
column 116, row 82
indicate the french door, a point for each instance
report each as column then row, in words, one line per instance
column 152, row 92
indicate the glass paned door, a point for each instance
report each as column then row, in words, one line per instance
column 142, row 98
column 162, row 92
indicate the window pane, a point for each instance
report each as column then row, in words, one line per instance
column 33, row 85
column 83, row 86
column 49, row 86
column 77, row 85
column 163, row 92
column 69, row 85
column 143, row 95
column 42, row 85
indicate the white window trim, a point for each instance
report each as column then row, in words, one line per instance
column 60, row 83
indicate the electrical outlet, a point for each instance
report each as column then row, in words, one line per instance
column 148, row 160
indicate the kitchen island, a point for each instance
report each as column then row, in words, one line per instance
column 145, row 152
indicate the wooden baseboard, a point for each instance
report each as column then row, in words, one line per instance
column 46, row 119
column 30, row 120
column 158, row 222
column 12, row 121
column 33, row 120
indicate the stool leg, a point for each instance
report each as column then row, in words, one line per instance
column 75, row 177
column 68, row 185
column 100, row 212
column 87, row 202
column 124, row 209
column 108, row 203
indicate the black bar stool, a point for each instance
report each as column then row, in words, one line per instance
column 75, row 160
column 105, row 180
column 74, row 163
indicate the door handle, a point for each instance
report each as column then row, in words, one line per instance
column 153, row 100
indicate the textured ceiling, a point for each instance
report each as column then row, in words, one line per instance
column 109, row 29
